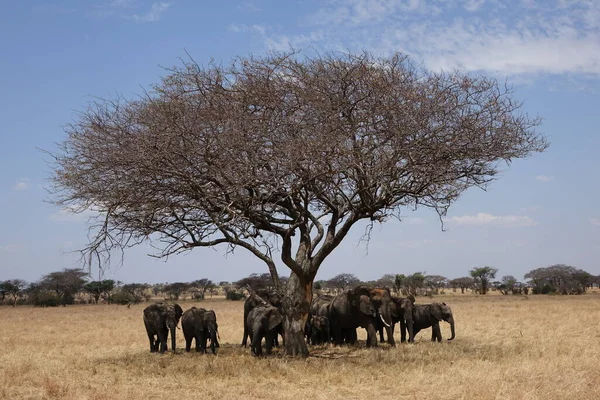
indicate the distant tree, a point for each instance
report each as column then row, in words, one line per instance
column 175, row 289
column 255, row 281
column 558, row 278
column 342, row 282
column 508, row 284
column 100, row 288
column 224, row 283
column 389, row 281
column 435, row 282
column 136, row 292
column 65, row 283
column 13, row 288
column 483, row 276
column 463, row 283
column 158, row 288
column 201, row 286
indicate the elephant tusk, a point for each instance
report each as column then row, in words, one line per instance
column 383, row 320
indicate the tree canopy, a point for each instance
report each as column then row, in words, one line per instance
column 282, row 154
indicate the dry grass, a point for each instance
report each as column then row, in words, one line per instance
column 507, row 347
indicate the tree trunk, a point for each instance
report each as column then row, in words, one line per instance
column 296, row 305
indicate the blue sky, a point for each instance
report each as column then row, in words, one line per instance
column 543, row 210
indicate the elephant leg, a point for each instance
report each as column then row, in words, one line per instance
column 197, row 340
column 162, row 339
column 402, row 331
column 436, row 333
column 188, row 342
column 270, row 341
column 256, row 344
column 371, row 336
column 203, row 338
column 152, row 345
column 390, row 335
column 380, row 329
column 338, row 337
column 351, row 336
column 246, row 335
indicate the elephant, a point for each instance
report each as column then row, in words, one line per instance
column 265, row 321
column 159, row 319
column 430, row 315
column 318, row 330
column 360, row 307
column 401, row 310
column 200, row 324
column 264, row 295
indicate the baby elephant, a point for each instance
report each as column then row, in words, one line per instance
column 263, row 321
column 319, row 330
column 430, row 315
column 200, row 324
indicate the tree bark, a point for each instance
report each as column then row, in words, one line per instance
column 296, row 305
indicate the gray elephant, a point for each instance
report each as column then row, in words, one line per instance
column 256, row 298
column 400, row 310
column 201, row 325
column 430, row 315
column 360, row 307
column 318, row 330
column 263, row 321
column 159, row 319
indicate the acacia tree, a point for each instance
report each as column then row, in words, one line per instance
column 65, row 283
column 483, row 276
column 12, row 287
column 281, row 155
column 341, row 282
column 463, row 283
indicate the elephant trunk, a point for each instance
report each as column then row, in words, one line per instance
column 410, row 328
column 173, row 339
column 453, row 335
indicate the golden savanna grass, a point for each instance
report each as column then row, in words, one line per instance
column 507, row 347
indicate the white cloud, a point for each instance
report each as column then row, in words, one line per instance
column 595, row 221
column 489, row 219
column 525, row 39
column 237, row 28
column 22, row 184
column 544, row 178
column 473, row 5
column 154, row 14
column 70, row 214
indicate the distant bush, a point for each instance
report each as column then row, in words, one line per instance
column 123, row 297
column 234, row 295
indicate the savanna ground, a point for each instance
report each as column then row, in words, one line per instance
column 508, row 347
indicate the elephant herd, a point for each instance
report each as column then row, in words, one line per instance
column 332, row 319
column 198, row 324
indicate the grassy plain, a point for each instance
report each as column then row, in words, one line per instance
column 507, row 347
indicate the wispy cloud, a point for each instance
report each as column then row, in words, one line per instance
column 21, row 185
column 134, row 10
column 237, row 28
column 544, row 178
column 488, row 219
column 154, row 14
column 526, row 39
column 595, row 221
column 71, row 214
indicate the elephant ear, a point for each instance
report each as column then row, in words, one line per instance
column 365, row 306
column 274, row 319
column 436, row 311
